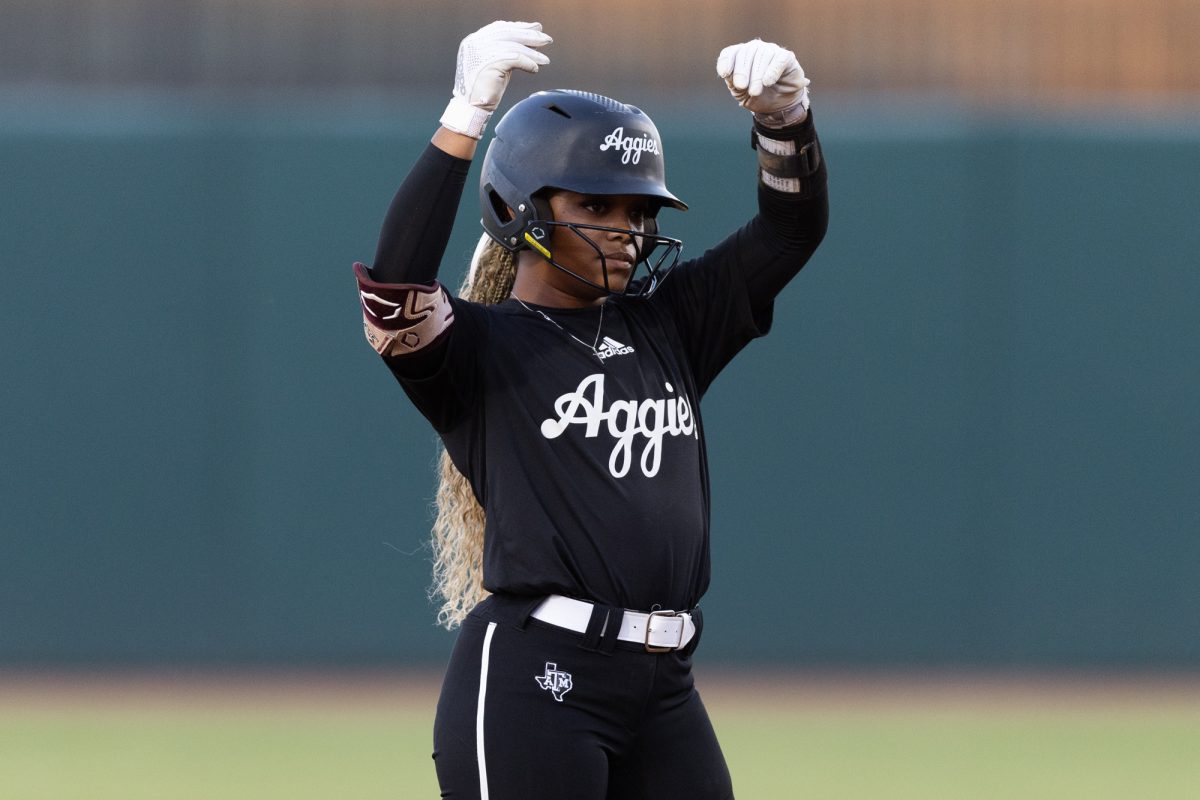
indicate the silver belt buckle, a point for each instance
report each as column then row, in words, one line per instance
column 649, row 620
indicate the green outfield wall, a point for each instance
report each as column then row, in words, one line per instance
column 972, row 438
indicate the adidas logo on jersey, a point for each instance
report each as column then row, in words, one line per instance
column 611, row 347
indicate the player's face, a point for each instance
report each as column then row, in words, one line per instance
column 619, row 249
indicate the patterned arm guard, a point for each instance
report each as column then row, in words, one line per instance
column 789, row 159
column 402, row 318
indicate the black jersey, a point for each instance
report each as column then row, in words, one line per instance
column 592, row 468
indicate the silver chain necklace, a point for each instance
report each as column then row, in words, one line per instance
column 594, row 346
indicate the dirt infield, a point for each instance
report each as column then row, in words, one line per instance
column 722, row 688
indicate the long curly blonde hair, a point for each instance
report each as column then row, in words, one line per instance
column 458, row 527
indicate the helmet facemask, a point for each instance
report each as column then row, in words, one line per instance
column 654, row 255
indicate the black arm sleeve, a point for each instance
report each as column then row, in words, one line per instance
column 420, row 218
column 795, row 222
column 725, row 297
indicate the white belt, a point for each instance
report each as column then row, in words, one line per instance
column 658, row 631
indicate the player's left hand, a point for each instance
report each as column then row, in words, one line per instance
column 766, row 79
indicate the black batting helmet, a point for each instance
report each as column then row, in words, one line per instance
column 582, row 142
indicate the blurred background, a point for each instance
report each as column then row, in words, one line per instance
column 970, row 440
column 970, row 443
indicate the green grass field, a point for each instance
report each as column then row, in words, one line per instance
column 296, row 738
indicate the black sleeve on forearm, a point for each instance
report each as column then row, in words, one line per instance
column 420, row 218
column 795, row 222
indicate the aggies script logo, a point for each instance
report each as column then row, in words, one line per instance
column 626, row 421
column 630, row 147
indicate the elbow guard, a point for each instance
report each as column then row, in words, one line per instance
column 402, row 318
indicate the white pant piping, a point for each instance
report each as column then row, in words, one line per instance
column 483, row 675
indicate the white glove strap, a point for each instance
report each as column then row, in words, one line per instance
column 462, row 117
column 792, row 115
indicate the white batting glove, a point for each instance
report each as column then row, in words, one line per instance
column 766, row 79
column 486, row 60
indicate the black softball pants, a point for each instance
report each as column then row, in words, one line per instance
column 528, row 713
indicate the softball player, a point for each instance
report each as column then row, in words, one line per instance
column 573, row 513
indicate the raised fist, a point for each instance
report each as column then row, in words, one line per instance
column 766, row 79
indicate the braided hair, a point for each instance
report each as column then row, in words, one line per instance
column 458, row 526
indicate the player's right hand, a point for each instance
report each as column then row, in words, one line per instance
column 486, row 60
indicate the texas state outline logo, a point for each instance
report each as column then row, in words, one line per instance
column 555, row 681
